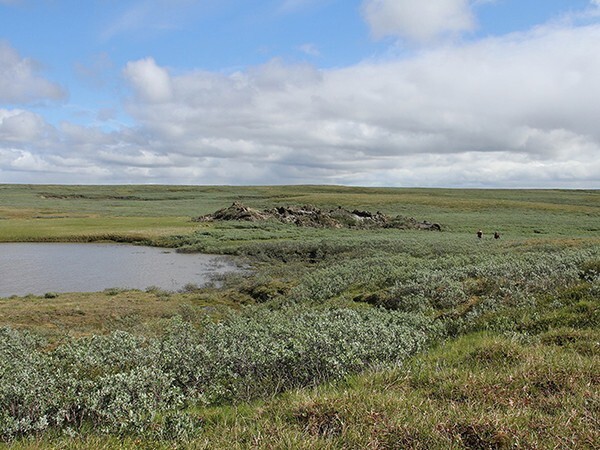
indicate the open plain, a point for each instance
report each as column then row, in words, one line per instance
column 338, row 337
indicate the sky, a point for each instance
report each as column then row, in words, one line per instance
column 426, row 93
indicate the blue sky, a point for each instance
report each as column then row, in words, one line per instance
column 457, row 93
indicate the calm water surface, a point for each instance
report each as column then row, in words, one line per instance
column 40, row 268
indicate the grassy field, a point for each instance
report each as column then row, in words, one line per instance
column 61, row 212
column 340, row 338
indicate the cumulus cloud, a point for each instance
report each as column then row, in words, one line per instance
column 505, row 96
column 525, row 100
column 19, row 126
column 19, row 79
column 419, row 21
column 151, row 82
column 514, row 111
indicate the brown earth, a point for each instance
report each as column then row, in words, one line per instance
column 311, row 216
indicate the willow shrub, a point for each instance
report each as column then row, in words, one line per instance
column 446, row 282
column 126, row 384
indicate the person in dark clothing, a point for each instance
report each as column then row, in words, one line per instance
column 480, row 234
column 496, row 235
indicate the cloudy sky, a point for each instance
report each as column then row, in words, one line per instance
column 445, row 93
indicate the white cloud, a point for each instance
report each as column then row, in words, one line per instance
column 526, row 94
column 19, row 126
column 515, row 111
column 419, row 21
column 19, row 79
column 151, row 82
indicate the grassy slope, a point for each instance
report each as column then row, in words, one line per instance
column 519, row 378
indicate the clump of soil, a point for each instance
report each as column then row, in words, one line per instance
column 311, row 216
column 236, row 211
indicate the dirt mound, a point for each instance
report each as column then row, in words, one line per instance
column 311, row 216
column 236, row 211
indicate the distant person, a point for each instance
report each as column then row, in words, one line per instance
column 496, row 235
column 480, row 234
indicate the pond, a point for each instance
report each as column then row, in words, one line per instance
column 36, row 268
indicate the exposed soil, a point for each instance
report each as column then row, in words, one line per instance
column 311, row 216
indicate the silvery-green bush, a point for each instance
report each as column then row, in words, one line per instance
column 123, row 383
column 26, row 384
column 446, row 281
column 269, row 351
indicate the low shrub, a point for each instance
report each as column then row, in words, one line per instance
column 123, row 383
column 590, row 270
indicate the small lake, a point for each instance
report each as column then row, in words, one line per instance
column 36, row 268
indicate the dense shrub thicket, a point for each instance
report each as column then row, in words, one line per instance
column 125, row 383
column 415, row 291
column 412, row 284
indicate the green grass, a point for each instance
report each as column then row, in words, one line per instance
column 92, row 229
column 513, row 212
column 517, row 366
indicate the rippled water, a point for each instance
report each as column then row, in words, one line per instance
column 40, row 268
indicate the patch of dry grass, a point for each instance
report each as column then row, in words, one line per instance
column 81, row 314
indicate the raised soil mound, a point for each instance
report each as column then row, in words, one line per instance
column 311, row 216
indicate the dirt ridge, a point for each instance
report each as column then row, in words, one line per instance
column 311, row 216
